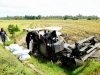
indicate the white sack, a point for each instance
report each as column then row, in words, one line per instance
column 24, row 57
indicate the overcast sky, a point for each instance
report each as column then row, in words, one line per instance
column 49, row 7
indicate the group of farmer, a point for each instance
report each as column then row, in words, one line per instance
column 3, row 36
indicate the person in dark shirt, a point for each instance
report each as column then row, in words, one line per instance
column 3, row 36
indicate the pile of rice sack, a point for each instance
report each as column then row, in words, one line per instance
column 17, row 50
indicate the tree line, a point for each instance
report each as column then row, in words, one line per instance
column 39, row 17
column 93, row 17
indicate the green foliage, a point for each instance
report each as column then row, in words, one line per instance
column 7, row 43
column 49, row 68
column 75, row 18
column 38, row 17
column 92, row 18
column 68, row 17
column 81, row 17
column 32, row 17
column 13, row 29
column 72, row 17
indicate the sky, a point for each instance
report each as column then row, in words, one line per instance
column 49, row 7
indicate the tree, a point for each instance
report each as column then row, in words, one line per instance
column 38, row 17
column 75, row 18
column 66, row 17
column 79, row 16
column 92, row 18
column 12, row 30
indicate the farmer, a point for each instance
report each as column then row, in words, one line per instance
column 3, row 36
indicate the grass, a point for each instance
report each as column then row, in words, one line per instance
column 10, row 65
column 47, row 67
column 76, row 29
column 90, row 67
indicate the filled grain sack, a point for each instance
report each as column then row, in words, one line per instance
column 14, row 47
column 24, row 57
column 20, row 52
column 17, row 52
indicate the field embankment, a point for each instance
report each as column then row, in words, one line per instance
column 10, row 65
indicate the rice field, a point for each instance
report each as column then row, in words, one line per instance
column 75, row 29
